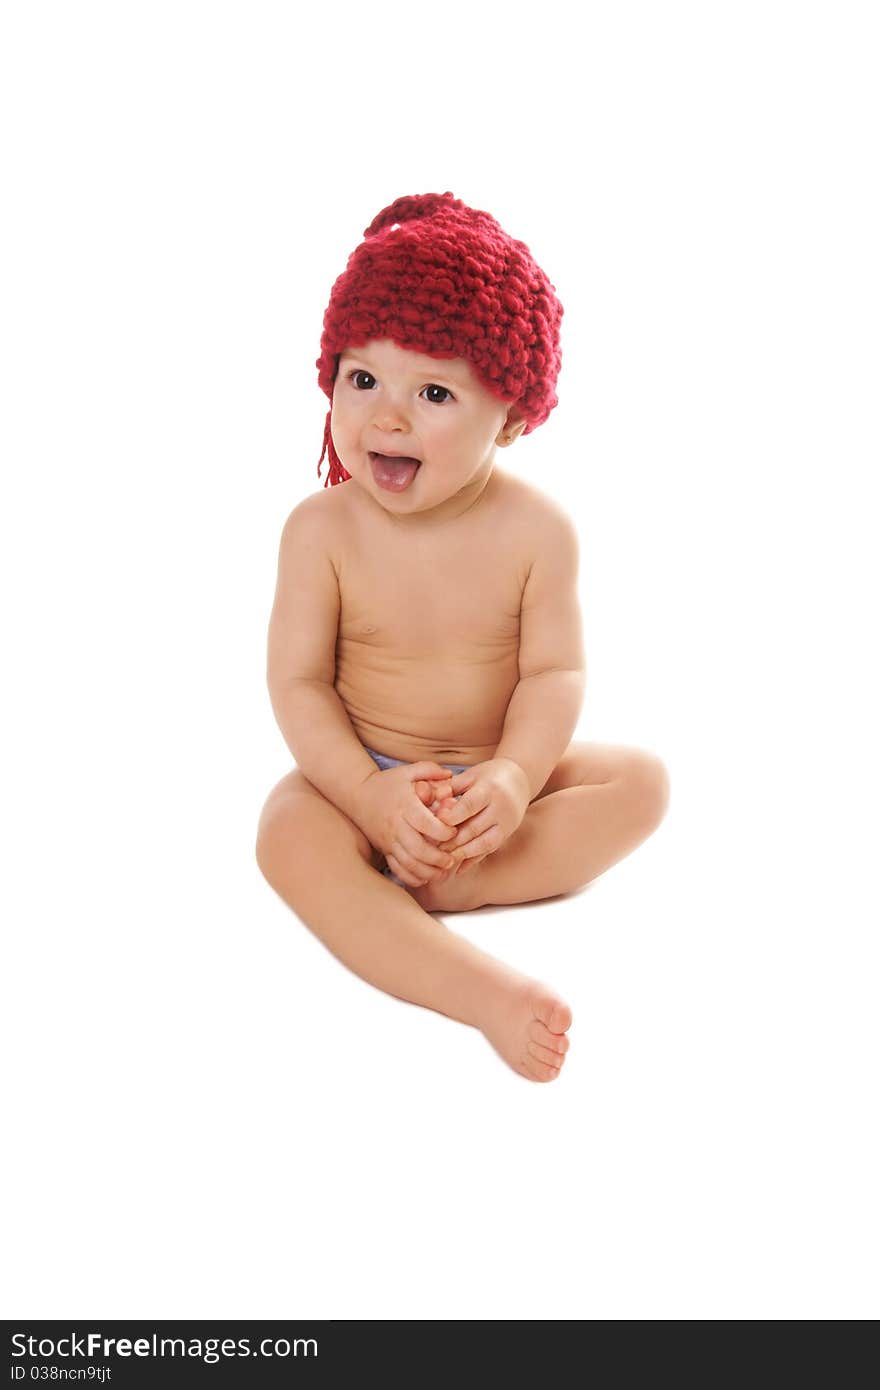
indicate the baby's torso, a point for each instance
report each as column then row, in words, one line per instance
column 428, row 640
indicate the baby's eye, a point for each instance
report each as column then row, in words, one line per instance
column 432, row 386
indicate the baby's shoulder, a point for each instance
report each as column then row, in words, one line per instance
column 319, row 519
column 527, row 512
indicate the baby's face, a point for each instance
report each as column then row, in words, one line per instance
column 388, row 400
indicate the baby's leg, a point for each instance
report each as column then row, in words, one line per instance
column 325, row 869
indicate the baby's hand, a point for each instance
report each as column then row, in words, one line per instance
column 396, row 819
column 427, row 791
column 435, row 794
column 494, row 797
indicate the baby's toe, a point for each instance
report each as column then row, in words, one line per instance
column 537, row 1070
column 551, row 1011
column 546, row 1054
column 556, row 1042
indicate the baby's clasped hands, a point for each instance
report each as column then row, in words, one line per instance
column 493, row 798
column 395, row 818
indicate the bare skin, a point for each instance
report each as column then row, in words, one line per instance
column 430, row 676
column 325, row 868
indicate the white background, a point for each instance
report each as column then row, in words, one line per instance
column 209, row 1116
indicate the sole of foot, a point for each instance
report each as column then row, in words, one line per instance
column 529, row 1030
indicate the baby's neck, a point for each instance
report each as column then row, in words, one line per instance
column 454, row 508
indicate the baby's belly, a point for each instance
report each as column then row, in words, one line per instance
column 451, row 712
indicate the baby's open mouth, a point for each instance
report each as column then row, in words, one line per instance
column 394, row 458
column 394, row 474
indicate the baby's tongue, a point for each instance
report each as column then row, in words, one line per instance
column 398, row 472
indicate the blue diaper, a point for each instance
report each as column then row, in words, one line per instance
column 384, row 763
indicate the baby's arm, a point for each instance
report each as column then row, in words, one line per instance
column 301, row 664
column 546, row 703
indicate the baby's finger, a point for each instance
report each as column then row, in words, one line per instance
column 426, row 823
column 462, row 781
column 442, row 787
column 435, row 772
column 483, row 844
column 432, row 794
column 473, row 829
column 419, row 854
column 403, row 874
column 464, row 864
column 411, row 870
column 466, row 806
column 466, row 830
column 461, row 836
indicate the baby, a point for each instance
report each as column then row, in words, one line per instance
column 425, row 653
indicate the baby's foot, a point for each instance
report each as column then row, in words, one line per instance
column 528, row 1029
column 456, row 892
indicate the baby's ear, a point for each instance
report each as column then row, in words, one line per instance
column 513, row 427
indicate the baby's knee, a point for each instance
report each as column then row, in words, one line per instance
column 274, row 839
column 303, row 832
column 649, row 785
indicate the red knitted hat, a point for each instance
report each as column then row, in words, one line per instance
column 445, row 280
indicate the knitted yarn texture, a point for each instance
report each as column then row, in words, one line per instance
column 445, row 280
